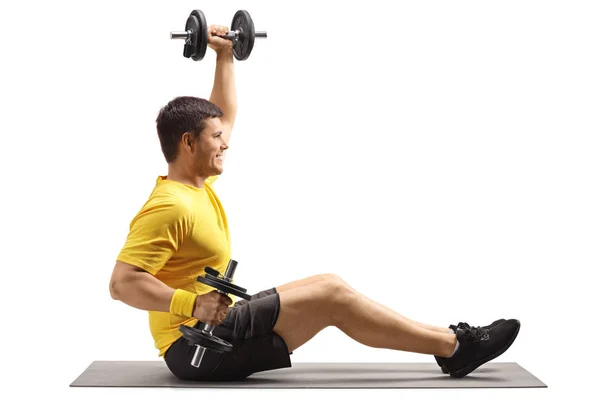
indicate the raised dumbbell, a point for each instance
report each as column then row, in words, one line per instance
column 203, row 338
column 242, row 34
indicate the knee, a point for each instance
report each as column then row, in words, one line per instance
column 337, row 297
column 337, row 290
column 334, row 278
column 341, row 284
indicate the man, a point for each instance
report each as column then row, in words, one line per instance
column 182, row 228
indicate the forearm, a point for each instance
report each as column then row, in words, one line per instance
column 223, row 92
column 143, row 291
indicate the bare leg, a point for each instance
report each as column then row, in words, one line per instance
column 397, row 315
column 323, row 277
column 308, row 309
column 303, row 282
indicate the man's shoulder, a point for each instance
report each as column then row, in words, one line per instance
column 168, row 200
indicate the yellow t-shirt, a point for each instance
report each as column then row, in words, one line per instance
column 179, row 230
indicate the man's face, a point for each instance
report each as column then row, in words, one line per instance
column 209, row 149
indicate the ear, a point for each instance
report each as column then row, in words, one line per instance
column 187, row 141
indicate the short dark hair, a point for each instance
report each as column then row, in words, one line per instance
column 180, row 115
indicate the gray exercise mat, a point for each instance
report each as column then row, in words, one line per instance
column 314, row 375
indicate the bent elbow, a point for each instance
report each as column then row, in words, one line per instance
column 113, row 287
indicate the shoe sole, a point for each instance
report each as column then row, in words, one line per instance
column 472, row 367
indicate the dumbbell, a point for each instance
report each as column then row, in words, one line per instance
column 242, row 35
column 203, row 338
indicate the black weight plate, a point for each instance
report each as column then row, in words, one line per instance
column 199, row 34
column 191, row 25
column 211, row 271
column 220, row 285
column 228, row 284
column 224, row 286
column 244, row 24
column 231, row 288
column 197, row 336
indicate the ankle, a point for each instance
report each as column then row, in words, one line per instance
column 449, row 345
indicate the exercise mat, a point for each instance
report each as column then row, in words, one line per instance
column 314, row 376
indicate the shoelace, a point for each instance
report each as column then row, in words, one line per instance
column 474, row 333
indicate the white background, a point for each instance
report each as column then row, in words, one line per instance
column 440, row 156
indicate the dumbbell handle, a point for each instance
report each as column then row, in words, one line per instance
column 199, row 352
column 231, row 35
column 207, row 328
column 180, row 35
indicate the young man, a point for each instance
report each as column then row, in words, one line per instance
column 182, row 228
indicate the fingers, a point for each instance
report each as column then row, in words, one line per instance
column 226, row 299
column 220, row 316
column 223, row 315
column 216, row 40
column 216, row 317
column 222, row 306
column 221, row 298
column 218, row 30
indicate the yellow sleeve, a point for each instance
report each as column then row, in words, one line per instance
column 155, row 234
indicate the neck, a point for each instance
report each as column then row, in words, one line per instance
column 184, row 175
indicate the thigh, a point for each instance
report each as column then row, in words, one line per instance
column 306, row 281
column 256, row 296
column 250, row 318
column 307, row 310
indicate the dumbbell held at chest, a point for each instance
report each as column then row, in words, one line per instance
column 242, row 34
column 203, row 338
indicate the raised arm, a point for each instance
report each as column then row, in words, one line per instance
column 223, row 93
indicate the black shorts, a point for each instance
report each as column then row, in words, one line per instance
column 249, row 328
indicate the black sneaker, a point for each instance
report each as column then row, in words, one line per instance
column 478, row 346
column 461, row 324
